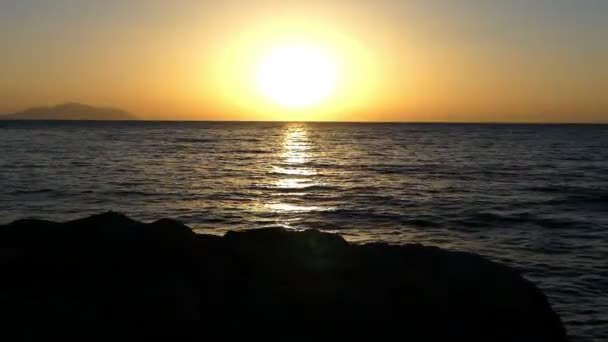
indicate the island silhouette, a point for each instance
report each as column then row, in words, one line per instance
column 71, row 111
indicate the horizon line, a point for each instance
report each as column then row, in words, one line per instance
column 323, row 121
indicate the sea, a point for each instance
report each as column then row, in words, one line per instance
column 529, row 195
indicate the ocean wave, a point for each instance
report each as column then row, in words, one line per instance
column 582, row 199
column 249, row 151
column 486, row 218
column 296, row 188
column 371, row 219
column 308, row 188
column 32, row 191
column 549, row 189
column 139, row 193
column 193, row 140
column 289, row 207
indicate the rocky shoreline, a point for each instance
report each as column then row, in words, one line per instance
column 108, row 277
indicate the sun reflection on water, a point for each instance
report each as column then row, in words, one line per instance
column 296, row 145
column 293, row 174
column 285, row 207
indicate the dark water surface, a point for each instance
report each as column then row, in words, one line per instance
column 534, row 196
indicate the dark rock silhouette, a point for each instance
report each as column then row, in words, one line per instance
column 70, row 111
column 109, row 278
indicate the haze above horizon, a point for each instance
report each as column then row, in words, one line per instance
column 385, row 61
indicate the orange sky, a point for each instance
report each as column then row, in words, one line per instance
column 469, row 61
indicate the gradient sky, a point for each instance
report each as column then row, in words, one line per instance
column 519, row 60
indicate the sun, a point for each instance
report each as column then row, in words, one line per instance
column 297, row 76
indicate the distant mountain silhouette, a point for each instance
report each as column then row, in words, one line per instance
column 70, row 111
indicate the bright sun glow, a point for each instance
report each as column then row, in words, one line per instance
column 297, row 76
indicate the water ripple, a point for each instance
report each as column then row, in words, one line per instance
column 520, row 194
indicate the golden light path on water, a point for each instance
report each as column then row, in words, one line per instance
column 289, row 180
column 295, row 177
column 295, row 173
